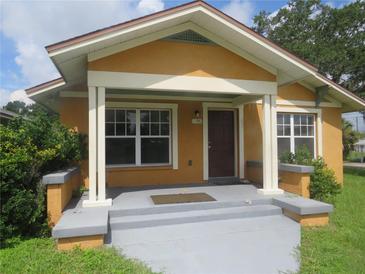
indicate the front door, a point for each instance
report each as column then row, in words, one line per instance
column 221, row 143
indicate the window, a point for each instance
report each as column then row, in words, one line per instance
column 295, row 131
column 137, row 137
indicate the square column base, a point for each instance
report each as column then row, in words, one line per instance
column 97, row 203
column 276, row 191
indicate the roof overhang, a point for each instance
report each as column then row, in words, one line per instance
column 71, row 56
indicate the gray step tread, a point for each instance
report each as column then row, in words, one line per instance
column 119, row 212
column 135, row 221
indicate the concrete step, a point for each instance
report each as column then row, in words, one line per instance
column 193, row 216
column 115, row 212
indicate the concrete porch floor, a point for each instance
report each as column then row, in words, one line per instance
column 241, row 232
column 129, row 198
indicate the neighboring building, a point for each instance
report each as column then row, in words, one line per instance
column 188, row 95
column 6, row 116
column 357, row 120
column 360, row 146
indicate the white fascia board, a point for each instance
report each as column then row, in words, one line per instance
column 124, row 31
column 144, row 81
column 46, row 89
column 346, row 94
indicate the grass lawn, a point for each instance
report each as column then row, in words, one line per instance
column 339, row 247
column 40, row 256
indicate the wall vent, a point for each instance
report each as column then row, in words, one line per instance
column 189, row 36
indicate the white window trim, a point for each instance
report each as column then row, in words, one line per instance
column 173, row 131
column 318, row 140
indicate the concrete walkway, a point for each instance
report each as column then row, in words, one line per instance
column 354, row 165
column 242, row 232
column 253, row 245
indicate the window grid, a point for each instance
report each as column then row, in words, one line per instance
column 306, row 121
column 137, row 131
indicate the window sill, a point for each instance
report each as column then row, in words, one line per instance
column 139, row 168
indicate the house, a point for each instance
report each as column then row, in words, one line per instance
column 6, row 116
column 189, row 95
column 358, row 124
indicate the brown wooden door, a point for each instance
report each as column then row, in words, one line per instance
column 221, row 143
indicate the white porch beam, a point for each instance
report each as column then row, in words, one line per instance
column 92, row 147
column 244, row 99
column 165, row 82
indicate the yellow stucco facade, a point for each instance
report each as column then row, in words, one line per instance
column 172, row 58
column 59, row 195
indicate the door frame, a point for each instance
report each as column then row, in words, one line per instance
column 238, row 128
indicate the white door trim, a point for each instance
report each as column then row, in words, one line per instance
column 239, row 146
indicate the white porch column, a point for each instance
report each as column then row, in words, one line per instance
column 97, row 149
column 92, row 147
column 274, row 144
column 269, row 143
column 241, row 141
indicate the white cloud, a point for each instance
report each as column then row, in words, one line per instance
column 240, row 10
column 20, row 95
column 10, row 96
column 32, row 25
column 150, row 6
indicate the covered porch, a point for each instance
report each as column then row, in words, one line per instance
column 190, row 101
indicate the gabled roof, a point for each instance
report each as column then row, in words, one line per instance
column 46, row 86
column 98, row 33
column 72, row 53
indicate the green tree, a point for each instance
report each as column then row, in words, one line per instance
column 333, row 39
column 17, row 107
column 29, row 149
column 349, row 137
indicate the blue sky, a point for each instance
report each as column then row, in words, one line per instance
column 27, row 26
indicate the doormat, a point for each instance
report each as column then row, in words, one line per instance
column 181, row 198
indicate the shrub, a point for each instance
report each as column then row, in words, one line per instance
column 30, row 148
column 323, row 185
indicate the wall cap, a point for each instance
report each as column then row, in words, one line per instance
column 82, row 222
column 302, row 206
column 284, row 167
column 60, row 177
